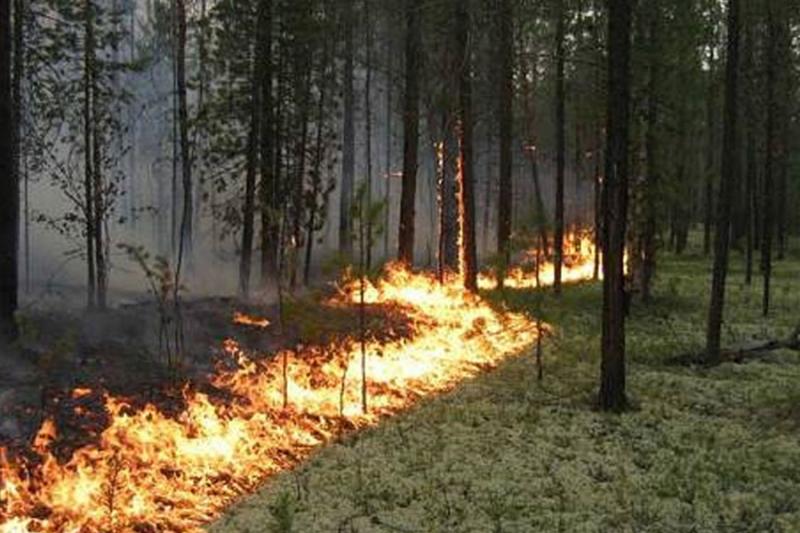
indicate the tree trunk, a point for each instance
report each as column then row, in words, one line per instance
column 649, row 245
column 405, row 252
column 469, row 260
column 248, row 212
column 368, row 131
column 506, row 61
column 348, row 141
column 268, row 187
column 20, row 160
column 727, row 185
column 773, row 152
column 9, row 186
column 710, row 151
column 88, row 181
column 186, row 231
column 561, row 141
column 615, row 193
column 751, row 169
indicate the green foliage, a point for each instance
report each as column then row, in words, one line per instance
column 283, row 510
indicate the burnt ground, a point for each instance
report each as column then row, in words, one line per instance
column 117, row 352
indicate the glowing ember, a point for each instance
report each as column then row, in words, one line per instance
column 150, row 472
column 579, row 257
column 246, row 320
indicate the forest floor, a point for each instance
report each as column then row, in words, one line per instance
column 702, row 449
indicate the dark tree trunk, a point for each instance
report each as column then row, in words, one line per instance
column 269, row 185
column 9, row 186
column 561, row 141
column 751, row 169
column 710, row 151
column 506, row 61
column 649, row 245
column 773, row 153
column 469, row 259
column 405, row 252
column 248, row 213
column 348, row 141
column 368, row 132
column 88, row 162
column 727, row 185
column 615, row 192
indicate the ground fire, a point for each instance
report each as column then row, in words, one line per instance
column 154, row 472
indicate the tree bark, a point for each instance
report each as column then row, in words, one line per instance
column 727, row 185
column 405, row 252
column 268, row 186
column 186, row 231
column 561, row 141
column 649, row 245
column 9, row 186
column 506, row 61
column 348, row 141
column 615, row 193
column 248, row 212
column 88, row 170
column 469, row 260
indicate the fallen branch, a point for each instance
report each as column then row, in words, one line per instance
column 740, row 354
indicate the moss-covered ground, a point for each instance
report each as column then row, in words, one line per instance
column 702, row 450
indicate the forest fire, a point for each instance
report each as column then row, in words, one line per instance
column 153, row 472
column 579, row 265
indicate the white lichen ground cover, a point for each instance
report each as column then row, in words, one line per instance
column 703, row 450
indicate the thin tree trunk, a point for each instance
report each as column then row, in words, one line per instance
column 751, row 171
column 405, row 252
column 711, row 149
column 186, row 230
column 368, row 132
column 9, row 185
column 558, row 246
column 506, row 53
column 727, row 186
column 88, row 125
column 615, row 193
column 317, row 178
column 387, row 197
column 469, row 262
column 649, row 245
column 20, row 160
column 268, row 186
column 348, row 140
column 771, row 154
column 248, row 213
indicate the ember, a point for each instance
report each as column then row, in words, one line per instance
column 153, row 472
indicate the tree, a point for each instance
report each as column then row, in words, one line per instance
column 615, row 207
column 9, row 186
column 468, row 252
column 652, row 148
column 187, row 216
column 269, row 186
column 348, row 139
column 405, row 253
column 729, row 178
column 505, row 58
column 561, row 141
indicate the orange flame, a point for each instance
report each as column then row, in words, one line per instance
column 151, row 472
column 578, row 265
column 242, row 319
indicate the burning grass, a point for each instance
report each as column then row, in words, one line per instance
column 149, row 471
column 706, row 450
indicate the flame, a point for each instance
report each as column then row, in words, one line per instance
column 578, row 265
column 152, row 472
column 242, row 319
